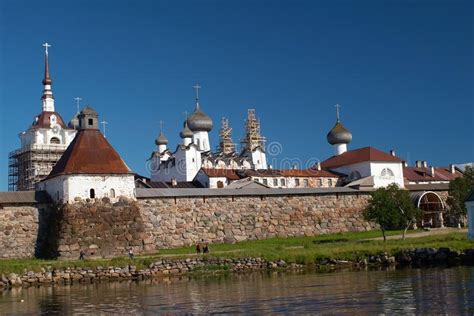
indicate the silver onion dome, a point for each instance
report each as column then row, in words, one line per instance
column 198, row 121
column 186, row 132
column 161, row 140
column 339, row 135
column 74, row 122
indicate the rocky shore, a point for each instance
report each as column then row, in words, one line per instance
column 420, row 257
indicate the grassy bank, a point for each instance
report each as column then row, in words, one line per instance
column 295, row 249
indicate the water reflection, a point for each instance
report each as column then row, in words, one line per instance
column 409, row 291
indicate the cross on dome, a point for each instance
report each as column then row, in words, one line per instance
column 46, row 45
column 337, row 111
column 197, row 87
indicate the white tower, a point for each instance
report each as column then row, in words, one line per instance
column 200, row 124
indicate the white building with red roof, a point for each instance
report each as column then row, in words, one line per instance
column 90, row 168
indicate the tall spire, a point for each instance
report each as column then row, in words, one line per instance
column 47, row 98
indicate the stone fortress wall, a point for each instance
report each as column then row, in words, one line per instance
column 162, row 219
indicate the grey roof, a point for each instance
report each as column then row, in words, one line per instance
column 151, row 193
column 24, row 197
column 186, row 132
column 339, row 135
column 428, row 187
column 199, row 121
column 161, row 140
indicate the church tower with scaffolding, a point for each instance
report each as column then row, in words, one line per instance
column 42, row 144
column 253, row 143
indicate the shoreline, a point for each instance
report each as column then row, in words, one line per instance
column 413, row 258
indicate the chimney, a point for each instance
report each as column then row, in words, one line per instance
column 392, row 152
column 419, row 163
column 425, row 164
column 452, row 169
column 174, row 183
column 432, row 171
column 295, row 167
column 405, row 164
column 318, row 166
column 270, row 167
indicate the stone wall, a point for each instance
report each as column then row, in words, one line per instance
column 100, row 229
column 19, row 226
column 184, row 221
column 104, row 229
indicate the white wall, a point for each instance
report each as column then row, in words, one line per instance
column 379, row 181
column 201, row 139
column 370, row 168
column 187, row 165
column 65, row 188
column 259, row 159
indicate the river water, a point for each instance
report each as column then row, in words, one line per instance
column 407, row 291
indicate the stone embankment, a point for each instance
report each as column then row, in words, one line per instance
column 421, row 257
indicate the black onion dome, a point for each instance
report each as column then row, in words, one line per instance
column 186, row 132
column 339, row 135
column 198, row 121
column 161, row 140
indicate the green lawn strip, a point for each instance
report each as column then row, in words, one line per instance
column 303, row 250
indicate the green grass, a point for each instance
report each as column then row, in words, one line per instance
column 305, row 250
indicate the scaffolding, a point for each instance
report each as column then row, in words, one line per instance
column 253, row 138
column 27, row 166
column 226, row 145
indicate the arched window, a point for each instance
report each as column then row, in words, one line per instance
column 387, row 173
column 54, row 140
column 92, row 193
column 112, row 193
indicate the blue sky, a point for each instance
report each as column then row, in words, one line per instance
column 401, row 70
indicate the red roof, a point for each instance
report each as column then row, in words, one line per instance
column 308, row 173
column 90, row 153
column 44, row 121
column 415, row 174
column 223, row 173
column 358, row 155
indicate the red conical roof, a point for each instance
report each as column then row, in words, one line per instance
column 90, row 153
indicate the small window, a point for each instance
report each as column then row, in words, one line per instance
column 265, row 181
column 297, row 182
column 193, row 159
column 54, row 140
column 306, row 182
column 320, row 182
column 275, row 182
column 387, row 173
column 92, row 193
column 282, row 182
column 112, row 193
column 91, row 122
column 330, row 182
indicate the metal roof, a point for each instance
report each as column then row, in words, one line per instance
column 24, row 197
column 143, row 193
column 428, row 187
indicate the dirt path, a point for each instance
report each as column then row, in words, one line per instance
column 423, row 233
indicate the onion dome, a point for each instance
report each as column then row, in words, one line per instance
column 88, row 111
column 161, row 140
column 198, row 121
column 339, row 135
column 186, row 132
column 74, row 122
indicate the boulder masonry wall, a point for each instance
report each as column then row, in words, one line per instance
column 103, row 229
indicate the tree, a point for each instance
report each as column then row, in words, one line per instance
column 459, row 190
column 391, row 207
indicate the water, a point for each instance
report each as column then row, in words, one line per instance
column 407, row 291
